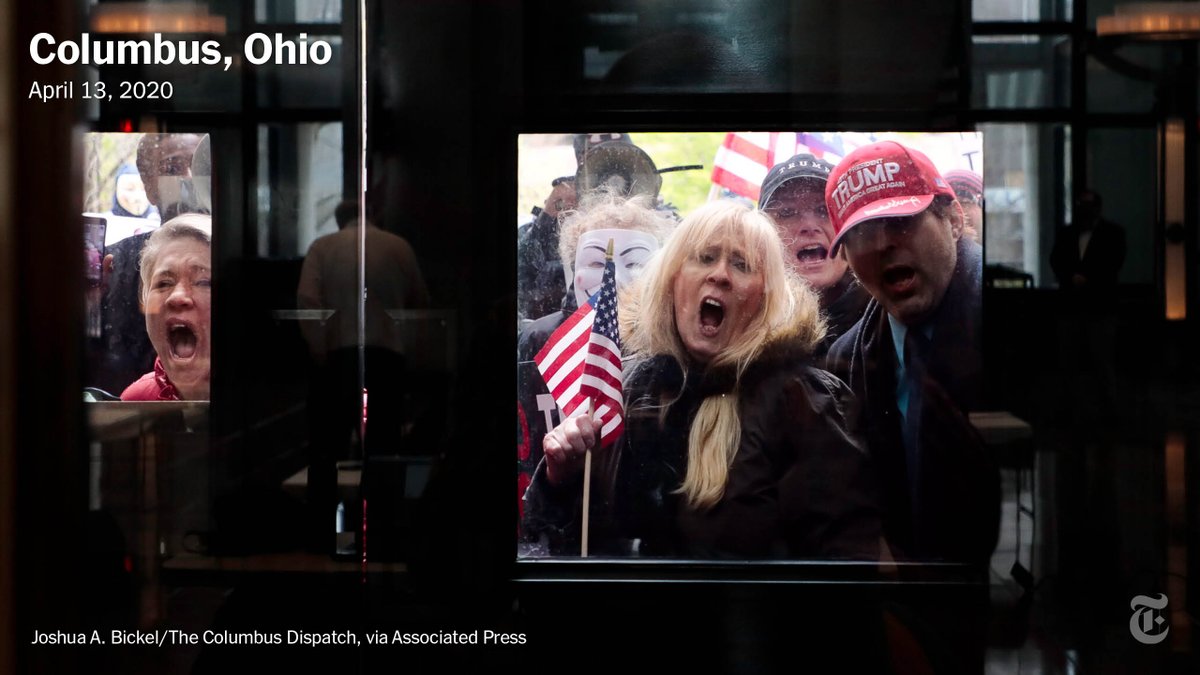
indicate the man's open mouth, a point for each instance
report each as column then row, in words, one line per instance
column 813, row 253
column 182, row 340
column 712, row 315
column 899, row 278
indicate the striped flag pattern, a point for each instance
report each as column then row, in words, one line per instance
column 578, row 362
column 602, row 375
column 745, row 157
column 743, row 160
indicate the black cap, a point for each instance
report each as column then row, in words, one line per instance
column 609, row 155
column 803, row 165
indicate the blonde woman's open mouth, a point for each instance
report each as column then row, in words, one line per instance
column 712, row 315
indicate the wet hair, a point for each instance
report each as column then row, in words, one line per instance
column 789, row 311
column 606, row 209
column 187, row 226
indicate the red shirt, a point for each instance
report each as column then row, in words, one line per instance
column 153, row 386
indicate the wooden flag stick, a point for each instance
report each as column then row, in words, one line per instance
column 587, row 488
column 587, row 457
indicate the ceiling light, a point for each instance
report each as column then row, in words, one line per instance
column 1152, row 21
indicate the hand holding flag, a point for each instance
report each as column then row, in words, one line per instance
column 582, row 359
column 581, row 363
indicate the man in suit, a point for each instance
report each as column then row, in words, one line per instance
column 914, row 359
column 1086, row 259
column 1088, row 255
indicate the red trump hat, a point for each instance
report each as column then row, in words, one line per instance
column 881, row 180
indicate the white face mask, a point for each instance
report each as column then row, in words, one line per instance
column 631, row 250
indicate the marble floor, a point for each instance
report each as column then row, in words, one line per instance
column 1110, row 513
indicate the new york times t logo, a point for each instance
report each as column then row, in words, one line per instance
column 1147, row 619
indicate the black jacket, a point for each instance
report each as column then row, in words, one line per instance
column 540, row 282
column 1099, row 264
column 532, row 425
column 124, row 353
column 842, row 305
column 799, row 486
column 959, row 511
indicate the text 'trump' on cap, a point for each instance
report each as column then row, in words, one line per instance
column 881, row 180
column 803, row 166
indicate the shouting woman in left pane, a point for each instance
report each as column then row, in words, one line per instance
column 176, row 297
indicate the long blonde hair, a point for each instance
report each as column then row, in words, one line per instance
column 789, row 310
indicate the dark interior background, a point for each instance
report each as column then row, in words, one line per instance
column 449, row 86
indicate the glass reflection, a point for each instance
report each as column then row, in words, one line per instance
column 358, row 352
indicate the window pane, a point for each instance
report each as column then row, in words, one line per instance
column 139, row 90
column 1122, row 170
column 747, row 47
column 1022, row 166
column 135, row 183
column 1021, row 71
column 1121, row 80
column 298, row 11
column 301, row 85
column 299, row 184
column 1021, row 10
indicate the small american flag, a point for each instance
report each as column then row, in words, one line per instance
column 582, row 359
